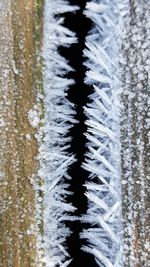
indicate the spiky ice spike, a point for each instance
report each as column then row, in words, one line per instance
column 102, row 160
column 59, row 117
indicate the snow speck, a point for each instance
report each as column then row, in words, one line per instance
column 33, row 118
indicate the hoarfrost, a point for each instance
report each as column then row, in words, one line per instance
column 59, row 117
column 102, row 159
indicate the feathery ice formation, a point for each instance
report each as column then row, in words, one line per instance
column 59, row 117
column 103, row 157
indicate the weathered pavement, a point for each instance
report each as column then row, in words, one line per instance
column 18, row 146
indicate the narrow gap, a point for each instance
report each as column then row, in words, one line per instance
column 78, row 94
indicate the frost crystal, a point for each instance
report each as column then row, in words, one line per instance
column 59, row 116
column 103, row 157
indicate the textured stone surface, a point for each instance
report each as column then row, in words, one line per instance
column 135, row 133
column 19, row 147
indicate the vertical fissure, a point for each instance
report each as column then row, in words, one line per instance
column 78, row 95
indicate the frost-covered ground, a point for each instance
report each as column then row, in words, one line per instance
column 35, row 118
column 18, row 146
column 135, row 134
